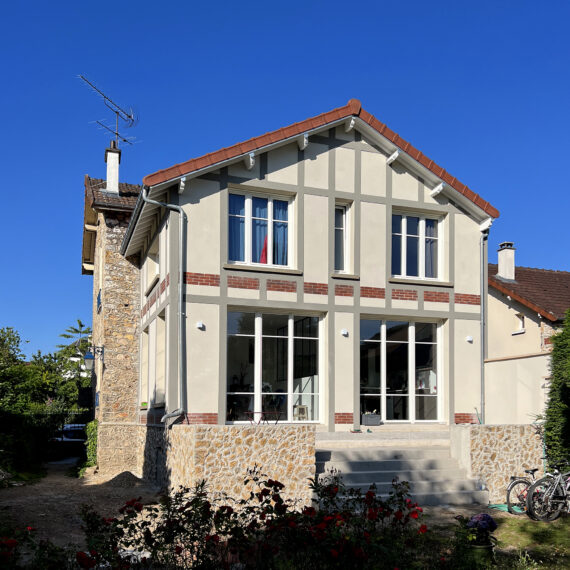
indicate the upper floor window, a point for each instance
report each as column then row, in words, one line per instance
column 415, row 246
column 258, row 229
column 340, row 238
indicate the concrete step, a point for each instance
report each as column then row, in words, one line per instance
column 378, row 453
column 364, row 477
column 404, row 464
column 419, row 487
column 438, row 436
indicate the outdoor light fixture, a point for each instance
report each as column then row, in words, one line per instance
column 344, row 332
column 94, row 352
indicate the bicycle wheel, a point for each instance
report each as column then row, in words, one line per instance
column 543, row 503
column 517, row 492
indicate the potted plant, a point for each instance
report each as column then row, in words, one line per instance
column 477, row 532
column 370, row 419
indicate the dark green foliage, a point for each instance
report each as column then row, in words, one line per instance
column 36, row 398
column 557, row 424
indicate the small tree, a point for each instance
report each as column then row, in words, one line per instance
column 557, row 424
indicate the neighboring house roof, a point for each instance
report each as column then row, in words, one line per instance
column 543, row 290
column 96, row 198
column 99, row 199
column 352, row 109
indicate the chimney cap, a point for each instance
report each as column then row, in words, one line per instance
column 506, row 245
column 113, row 149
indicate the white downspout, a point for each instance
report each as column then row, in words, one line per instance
column 181, row 315
column 484, row 227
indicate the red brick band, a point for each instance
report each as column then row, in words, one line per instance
column 206, row 418
column 467, row 299
column 436, row 296
column 243, row 282
column 316, row 288
column 344, row 290
column 210, row 279
column 463, row 418
column 405, row 294
column 344, row 418
column 281, row 285
column 373, row 292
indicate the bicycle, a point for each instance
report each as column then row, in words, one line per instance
column 517, row 491
column 549, row 496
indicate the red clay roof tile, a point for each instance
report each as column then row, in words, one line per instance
column 542, row 290
column 352, row 108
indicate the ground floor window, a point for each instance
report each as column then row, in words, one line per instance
column 398, row 370
column 272, row 366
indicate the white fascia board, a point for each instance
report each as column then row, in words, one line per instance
column 414, row 166
column 241, row 157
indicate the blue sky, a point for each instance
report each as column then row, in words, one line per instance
column 483, row 88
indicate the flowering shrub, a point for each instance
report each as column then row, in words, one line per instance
column 478, row 529
column 343, row 529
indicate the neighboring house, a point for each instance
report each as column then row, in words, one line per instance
column 313, row 274
column 526, row 306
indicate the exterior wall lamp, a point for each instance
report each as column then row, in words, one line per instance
column 94, row 352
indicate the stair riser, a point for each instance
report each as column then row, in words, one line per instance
column 380, row 454
column 352, row 477
column 389, row 465
column 421, row 487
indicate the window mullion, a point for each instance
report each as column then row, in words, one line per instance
column 404, row 247
column 270, row 231
column 257, row 363
column 290, row 361
column 422, row 248
column 248, row 226
column 412, row 371
column 383, row 369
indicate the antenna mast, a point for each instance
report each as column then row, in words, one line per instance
column 128, row 117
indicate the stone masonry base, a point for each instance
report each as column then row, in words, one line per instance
column 186, row 454
column 492, row 453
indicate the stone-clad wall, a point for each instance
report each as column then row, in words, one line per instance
column 221, row 455
column 492, row 453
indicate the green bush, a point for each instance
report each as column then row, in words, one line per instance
column 557, row 423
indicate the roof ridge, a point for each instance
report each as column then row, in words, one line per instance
column 535, row 269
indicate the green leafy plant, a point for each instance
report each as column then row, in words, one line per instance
column 557, row 423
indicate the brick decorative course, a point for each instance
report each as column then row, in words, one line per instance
column 206, row 418
column 344, row 418
column 466, row 418
column 209, row 279
column 243, row 282
column 281, row 285
column 467, row 299
column 373, row 292
column 436, row 296
column 344, row 290
column 405, row 294
column 316, row 288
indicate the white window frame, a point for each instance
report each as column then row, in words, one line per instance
column 152, row 266
column 421, row 246
column 270, row 220
column 346, row 237
column 258, row 369
column 521, row 324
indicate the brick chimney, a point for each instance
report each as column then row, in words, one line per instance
column 506, row 269
column 113, row 159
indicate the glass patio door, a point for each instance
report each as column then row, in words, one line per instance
column 398, row 371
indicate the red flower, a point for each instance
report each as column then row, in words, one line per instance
column 419, row 509
column 309, row 511
column 372, row 514
column 414, row 514
column 30, row 528
column 369, row 497
column 9, row 542
column 178, row 549
column 84, row 560
column 398, row 515
column 334, row 553
column 422, row 529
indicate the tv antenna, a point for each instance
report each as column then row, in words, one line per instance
column 128, row 117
